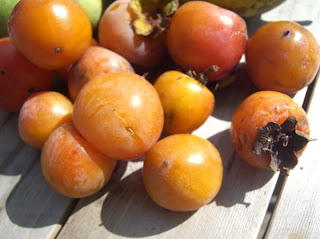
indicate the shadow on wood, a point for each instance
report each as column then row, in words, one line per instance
column 239, row 177
column 129, row 211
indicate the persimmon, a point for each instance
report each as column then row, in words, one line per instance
column 187, row 103
column 270, row 130
column 19, row 78
column 71, row 166
column 203, row 36
column 120, row 114
column 182, row 172
column 282, row 56
column 95, row 60
column 52, row 34
column 63, row 72
column 116, row 33
column 42, row 113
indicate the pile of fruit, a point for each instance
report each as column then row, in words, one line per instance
column 137, row 77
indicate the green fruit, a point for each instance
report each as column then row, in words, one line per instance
column 245, row 8
column 6, row 7
column 94, row 9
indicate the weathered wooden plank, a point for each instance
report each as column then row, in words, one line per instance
column 33, row 209
column 124, row 210
column 297, row 213
column 28, row 206
column 13, row 171
column 3, row 116
column 9, row 139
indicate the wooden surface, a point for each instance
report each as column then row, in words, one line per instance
column 29, row 208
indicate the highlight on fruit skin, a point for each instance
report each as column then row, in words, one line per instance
column 187, row 103
column 124, row 122
column 270, row 130
column 182, row 172
column 71, row 166
column 282, row 56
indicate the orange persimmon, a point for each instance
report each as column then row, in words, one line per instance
column 52, row 34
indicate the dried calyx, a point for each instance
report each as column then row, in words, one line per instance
column 152, row 16
column 281, row 142
column 202, row 76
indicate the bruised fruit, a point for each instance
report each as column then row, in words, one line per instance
column 270, row 130
column 72, row 166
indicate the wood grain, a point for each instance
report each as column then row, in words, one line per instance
column 297, row 213
column 29, row 208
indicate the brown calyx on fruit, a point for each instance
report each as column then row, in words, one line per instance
column 203, row 76
column 281, row 142
column 152, row 16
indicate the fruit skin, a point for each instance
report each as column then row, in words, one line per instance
column 120, row 114
column 282, row 56
column 42, row 113
column 19, row 78
column 182, row 172
column 186, row 102
column 55, row 43
column 256, row 111
column 72, row 166
column 245, row 8
column 6, row 7
column 116, row 33
column 202, row 35
column 94, row 9
column 95, row 60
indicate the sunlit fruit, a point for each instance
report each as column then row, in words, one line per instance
column 96, row 60
column 203, row 36
column 282, row 56
column 115, row 32
column 52, row 34
column 72, row 166
column 42, row 113
column 120, row 114
column 182, row 172
column 186, row 102
column 270, row 130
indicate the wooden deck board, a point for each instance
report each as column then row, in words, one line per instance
column 297, row 213
column 29, row 208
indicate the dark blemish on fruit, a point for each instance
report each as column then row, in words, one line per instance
column 2, row 72
column 31, row 89
column 286, row 34
column 281, row 142
column 57, row 50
